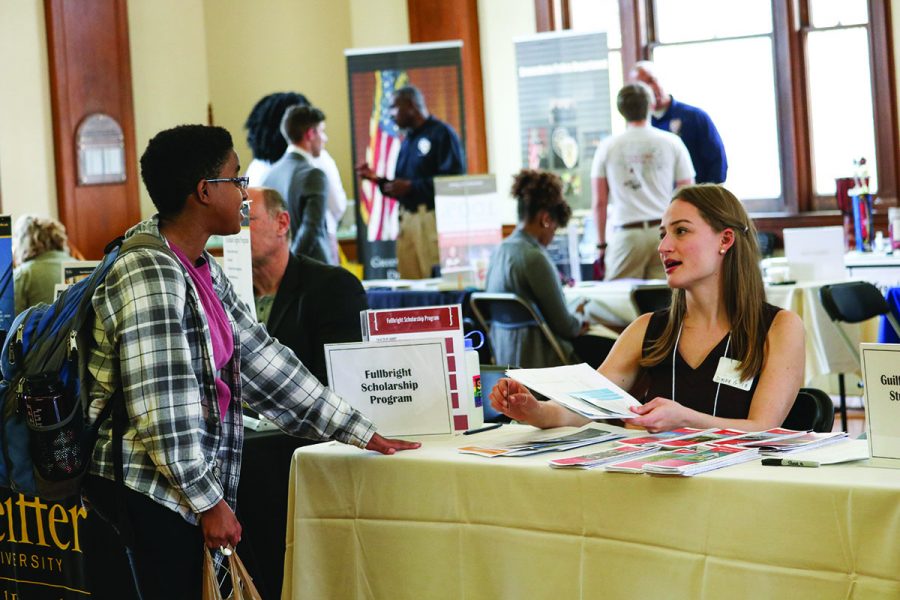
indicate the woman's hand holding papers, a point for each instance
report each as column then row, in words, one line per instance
column 389, row 446
column 661, row 414
column 515, row 401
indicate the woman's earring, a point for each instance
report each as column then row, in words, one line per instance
column 721, row 250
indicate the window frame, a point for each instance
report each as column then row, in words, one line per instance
column 790, row 27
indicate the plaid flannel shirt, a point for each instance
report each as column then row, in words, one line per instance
column 152, row 340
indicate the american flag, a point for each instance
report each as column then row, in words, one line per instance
column 380, row 212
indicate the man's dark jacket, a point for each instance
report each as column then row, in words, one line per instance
column 316, row 304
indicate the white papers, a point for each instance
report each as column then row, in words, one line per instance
column 850, row 451
column 580, row 388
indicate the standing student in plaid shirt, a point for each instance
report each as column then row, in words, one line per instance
column 185, row 352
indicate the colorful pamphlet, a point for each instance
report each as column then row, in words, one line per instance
column 699, row 459
column 768, row 435
column 598, row 459
column 584, row 436
column 711, row 436
column 685, row 461
column 657, row 439
column 807, row 441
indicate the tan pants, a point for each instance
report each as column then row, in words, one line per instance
column 633, row 253
column 417, row 247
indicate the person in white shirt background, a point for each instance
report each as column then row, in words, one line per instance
column 268, row 145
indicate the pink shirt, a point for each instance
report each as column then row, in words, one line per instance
column 220, row 330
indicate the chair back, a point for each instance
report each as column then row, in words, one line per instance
column 813, row 410
column 766, row 240
column 651, row 297
column 853, row 301
column 511, row 311
column 490, row 375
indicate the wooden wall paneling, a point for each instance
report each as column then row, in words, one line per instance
column 884, row 98
column 543, row 15
column 90, row 72
column 444, row 20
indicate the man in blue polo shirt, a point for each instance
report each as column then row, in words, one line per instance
column 690, row 123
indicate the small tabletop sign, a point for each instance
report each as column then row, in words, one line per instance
column 403, row 387
column 881, row 376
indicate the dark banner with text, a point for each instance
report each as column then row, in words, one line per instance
column 41, row 548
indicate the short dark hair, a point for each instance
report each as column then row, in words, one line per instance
column 299, row 119
column 540, row 190
column 264, row 124
column 177, row 159
column 414, row 95
column 634, row 101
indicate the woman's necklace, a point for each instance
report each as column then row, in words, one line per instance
column 675, row 353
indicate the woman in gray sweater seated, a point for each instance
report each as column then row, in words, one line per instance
column 522, row 266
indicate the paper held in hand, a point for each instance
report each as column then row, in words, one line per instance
column 580, row 388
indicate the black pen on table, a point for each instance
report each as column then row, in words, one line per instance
column 482, row 429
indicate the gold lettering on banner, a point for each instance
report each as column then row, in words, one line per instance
column 62, row 523
column 53, row 520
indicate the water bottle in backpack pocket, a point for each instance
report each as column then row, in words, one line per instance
column 50, row 412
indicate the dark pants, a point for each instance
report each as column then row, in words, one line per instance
column 168, row 550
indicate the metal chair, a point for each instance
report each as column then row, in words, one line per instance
column 511, row 311
column 651, row 297
column 853, row 302
column 813, row 410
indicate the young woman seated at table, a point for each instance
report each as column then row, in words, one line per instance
column 522, row 266
column 719, row 324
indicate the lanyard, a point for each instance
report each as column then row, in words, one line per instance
column 675, row 352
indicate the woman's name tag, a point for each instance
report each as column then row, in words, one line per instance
column 727, row 373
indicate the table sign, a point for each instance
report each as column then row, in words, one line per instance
column 815, row 253
column 73, row 271
column 469, row 227
column 881, row 376
column 427, row 322
column 237, row 263
column 402, row 387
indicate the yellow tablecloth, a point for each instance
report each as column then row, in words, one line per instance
column 434, row 524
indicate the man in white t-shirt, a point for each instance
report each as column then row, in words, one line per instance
column 633, row 176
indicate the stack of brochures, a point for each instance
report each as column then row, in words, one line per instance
column 598, row 459
column 581, row 389
column 806, row 441
column 687, row 437
column 585, row 436
column 686, row 461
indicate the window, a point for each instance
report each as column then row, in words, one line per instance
column 794, row 88
column 839, row 87
column 728, row 72
column 603, row 15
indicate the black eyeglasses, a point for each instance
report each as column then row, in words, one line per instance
column 239, row 182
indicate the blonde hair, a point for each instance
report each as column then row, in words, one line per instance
column 741, row 287
column 33, row 235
